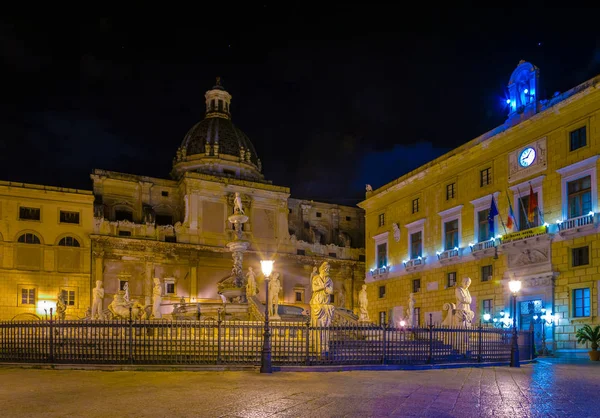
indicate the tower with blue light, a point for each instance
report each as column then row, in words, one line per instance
column 523, row 89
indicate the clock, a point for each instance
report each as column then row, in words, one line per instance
column 527, row 157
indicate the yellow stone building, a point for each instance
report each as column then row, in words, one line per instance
column 430, row 228
column 133, row 228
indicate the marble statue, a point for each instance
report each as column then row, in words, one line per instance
column 97, row 301
column 363, row 304
column 321, row 310
column 410, row 312
column 341, row 298
column 61, row 306
column 237, row 204
column 156, row 299
column 126, row 290
column 119, row 307
column 186, row 217
column 396, row 229
column 314, row 273
column 460, row 314
column 369, row 188
column 274, row 288
column 251, row 289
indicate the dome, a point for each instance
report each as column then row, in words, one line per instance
column 215, row 145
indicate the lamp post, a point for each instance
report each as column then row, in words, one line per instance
column 514, row 286
column 265, row 358
column 545, row 319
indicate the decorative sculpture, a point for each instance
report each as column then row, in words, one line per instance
column 410, row 312
column 186, row 217
column 321, row 310
column 251, row 288
column 237, row 204
column 274, row 288
column 61, row 306
column 126, row 291
column 345, row 240
column 369, row 188
column 396, row 229
column 97, row 301
column 460, row 314
column 156, row 299
column 119, row 307
column 363, row 304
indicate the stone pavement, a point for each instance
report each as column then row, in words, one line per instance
column 545, row 389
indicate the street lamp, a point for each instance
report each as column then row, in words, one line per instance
column 545, row 319
column 265, row 358
column 514, row 286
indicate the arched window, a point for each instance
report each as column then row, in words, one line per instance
column 29, row 238
column 69, row 242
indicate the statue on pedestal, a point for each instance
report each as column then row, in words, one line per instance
column 156, row 299
column 274, row 288
column 97, row 301
column 460, row 314
column 126, row 290
column 251, row 289
column 410, row 312
column 238, row 209
column 119, row 307
column 61, row 306
column 321, row 310
column 363, row 304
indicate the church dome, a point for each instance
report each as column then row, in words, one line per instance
column 215, row 145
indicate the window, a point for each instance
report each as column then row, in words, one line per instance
column 451, row 279
column 164, row 193
column 123, row 215
column 451, row 234
column 450, row 191
column 27, row 296
column 487, row 306
column 486, row 273
column 580, row 256
column 212, row 104
column 581, row 302
column 417, row 316
column 415, row 245
column 170, row 238
column 163, row 219
column 318, row 214
column 124, row 233
column 289, row 211
column 122, row 284
column 220, row 105
column 67, row 217
column 381, row 219
column 69, row 242
column 334, row 255
column 382, row 255
column 381, row 291
column 29, row 214
column 523, row 220
column 415, row 205
column 361, row 257
column 28, row 238
column 348, row 218
column 170, row 287
column 485, row 177
column 579, row 197
column 577, row 139
column 382, row 318
column 300, row 252
column 68, row 297
column 416, row 285
column 483, row 233
column 298, row 296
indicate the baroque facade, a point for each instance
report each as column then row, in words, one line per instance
column 430, row 228
column 134, row 228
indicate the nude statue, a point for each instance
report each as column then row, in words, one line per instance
column 156, row 299
column 274, row 288
column 97, row 302
column 363, row 304
column 251, row 289
column 237, row 204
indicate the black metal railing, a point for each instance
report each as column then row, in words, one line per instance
column 188, row 342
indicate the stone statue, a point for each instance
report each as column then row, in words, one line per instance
column 460, row 315
column 321, row 310
column 345, row 240
column 341, row 299
column 237, row 204
column 97, row 301
column 126, row 290
column 363, row 304
column 186, row 217
column 396, row 229
column 313, row 273
column 369, row 188
column 410, row 312
column 156, row 299
column 61, row 306
column 119, row 307
column 251, row 289
column 274, row 288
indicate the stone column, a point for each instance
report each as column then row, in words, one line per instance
column 98, row 270
column 335, row 226
column 148, row 282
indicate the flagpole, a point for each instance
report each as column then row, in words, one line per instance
column 510, row 209
column 523, row 208
column 501, row 220
column 540, row 214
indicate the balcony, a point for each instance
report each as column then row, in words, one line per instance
column 414, row 263
column 484, row 248
column 379, row 273
column 524, row 238
column 573, row 226
column 449, row 256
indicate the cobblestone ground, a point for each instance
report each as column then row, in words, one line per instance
column 545, row 389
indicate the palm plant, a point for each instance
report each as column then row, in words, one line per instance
column 589, row 334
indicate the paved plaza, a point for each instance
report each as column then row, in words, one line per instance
column 545, row 389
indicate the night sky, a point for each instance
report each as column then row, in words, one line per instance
column 331, row 98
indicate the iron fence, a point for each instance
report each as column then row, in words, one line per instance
column 211, row 342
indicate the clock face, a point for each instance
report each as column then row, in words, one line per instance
column 527, row 157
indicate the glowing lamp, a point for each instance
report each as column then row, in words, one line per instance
column 558, row 221
column 419, row 257
column 402, row 323
column 546, row 224
column 44, row 306
column 535, row 317
column 526, row 91
column 266, row 267
column 507, row 101
column 486, row 316
column 501, row 313
column 591, row 213
column 514, row 286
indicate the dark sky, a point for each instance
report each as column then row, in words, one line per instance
column 332, row 97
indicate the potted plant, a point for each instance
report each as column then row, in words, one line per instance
column 587, row 334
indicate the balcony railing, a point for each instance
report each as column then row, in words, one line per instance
column 448, row 255
column 483, row 245
column 414, row 262
column 379, row 271
column 575, row 223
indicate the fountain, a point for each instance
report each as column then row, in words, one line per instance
column 233, row 288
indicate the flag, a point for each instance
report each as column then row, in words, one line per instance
column 532, row 206
column 493, row 212
column 511, row 222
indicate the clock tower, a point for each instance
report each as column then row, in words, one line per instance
column 523, row 92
